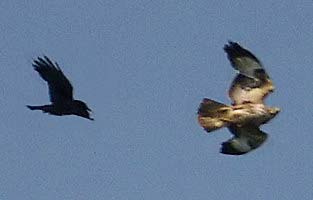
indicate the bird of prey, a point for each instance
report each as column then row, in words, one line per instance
column 60, row 91
column 248, row 112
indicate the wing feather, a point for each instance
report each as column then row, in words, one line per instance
column 60, row 88
column 241, row 59
column 252, row 84
column 246, row 138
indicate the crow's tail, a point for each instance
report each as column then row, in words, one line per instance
column 35, row 107
column 44, row 108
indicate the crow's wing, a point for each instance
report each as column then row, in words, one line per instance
column 60, row 88
column 246, row 138
column 252, row 84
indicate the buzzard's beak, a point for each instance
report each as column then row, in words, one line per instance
column 272, row 88
column 274, row 111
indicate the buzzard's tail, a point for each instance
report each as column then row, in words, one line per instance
column 209, row 106
column 213, row 115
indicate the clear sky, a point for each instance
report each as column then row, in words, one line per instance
column 143, row 67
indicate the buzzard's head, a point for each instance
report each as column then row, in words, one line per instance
column 274, row 111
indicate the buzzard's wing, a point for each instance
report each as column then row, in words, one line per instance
column 246, row 138
column 247, row 90
column 252, row 84
column 242, row 60
column 213, row 115
column 60, row 88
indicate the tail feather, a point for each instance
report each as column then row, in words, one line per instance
column 34, row 107
column 44, row 108
column 212, row 115
column 211, row 108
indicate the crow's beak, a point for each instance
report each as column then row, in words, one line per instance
column 88, row 109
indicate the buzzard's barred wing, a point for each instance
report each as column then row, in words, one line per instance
column 60, row 88
column 246, row 138
column 252, row 84
column 213, row 115
column 242, row 60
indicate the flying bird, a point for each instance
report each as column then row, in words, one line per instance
column 60, row 91
column 248, row 111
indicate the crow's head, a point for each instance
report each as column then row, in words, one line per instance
column 81, row 109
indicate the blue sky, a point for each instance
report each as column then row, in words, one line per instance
column 143, row 67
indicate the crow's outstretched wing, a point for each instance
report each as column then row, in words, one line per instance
column 246, row 138
column 252, row 84
column 60, row 88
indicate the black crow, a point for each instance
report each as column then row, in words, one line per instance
column 60, row 91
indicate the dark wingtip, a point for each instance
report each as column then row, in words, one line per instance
column 46, row 57
column 231, row 45
column 230, row 42
column 37, row 62
column 228, row 149
column 209, row 130
column 42, row 60
column 233, row 49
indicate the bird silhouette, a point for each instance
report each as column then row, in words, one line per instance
column 248, row 110
column 60, row 91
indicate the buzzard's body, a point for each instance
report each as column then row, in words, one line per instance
column 248, row 111
column 211, row 118
column 60, row 91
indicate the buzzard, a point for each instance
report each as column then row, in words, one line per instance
column 248, row 112
column 60, row 91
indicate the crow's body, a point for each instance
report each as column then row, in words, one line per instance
column 60, row 91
